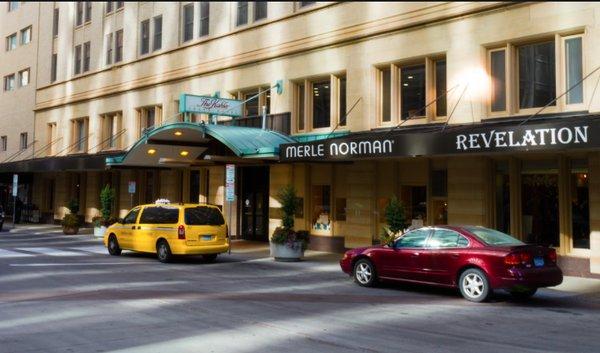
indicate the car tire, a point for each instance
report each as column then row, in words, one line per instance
column 364, row 273
column 474, row 285
column 209, row 258
column 522, row 294
column 113, row 246
column 163, row 251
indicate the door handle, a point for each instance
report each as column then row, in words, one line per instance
column 454, row 256
column 415, row 254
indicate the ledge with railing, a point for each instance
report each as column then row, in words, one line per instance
column 280, row 122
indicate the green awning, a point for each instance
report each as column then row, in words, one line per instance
column 191, row 143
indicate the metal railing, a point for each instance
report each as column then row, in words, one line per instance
column 277, row 122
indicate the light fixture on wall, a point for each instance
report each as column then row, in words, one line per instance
column 178, row 133
column 184, row 153
column 151, row 151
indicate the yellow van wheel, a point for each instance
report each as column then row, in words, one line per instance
column 163, row 251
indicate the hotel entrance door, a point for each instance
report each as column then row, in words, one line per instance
column 255, row 203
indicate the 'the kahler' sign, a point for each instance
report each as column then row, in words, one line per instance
column 209, row 105
column 554, row 135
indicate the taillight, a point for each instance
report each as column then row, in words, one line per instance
column 517, row 258
column 181, row 232
column 552, row 255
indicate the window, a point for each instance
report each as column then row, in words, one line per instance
column 580, row 204
column 23, row 78
column 88, row 11
column 300, row 106
column 53, row 67
column 188, row 22
column 321, row 207
column 145, row 37
column 51, row 134
column 79, row 135
column 342, row 100
column 149, row 117
column 79, row 13
column 111, row 130
column 204, row 18
column 260, row 10
column 26, row 35
column 9, row 82
column 440, row 88
column 13, row 5
column 498, row 77
column 157, row 41
column 118, row 46
column 493, row 237
column 306, row 3
column 23, row 140
column 574, row 69
column 412, row 91
column 537, row 81
column 132, row 216
column 11, row 42
column 202, row 215
column 109, row 48
column 55, row 22
column 86, row 56
column 77, row 59
column 414, row 239
column 120, row 4
column 242, row 13
column 160, row 215
column 4, row 143
column 445, row 238
column 253, row 107
column 109, row 6
column 321, row 109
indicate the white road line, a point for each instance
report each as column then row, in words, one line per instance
column 77, row 264
column 52, row 252
column 8, row 253
column 95, row 249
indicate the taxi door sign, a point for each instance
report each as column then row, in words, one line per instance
column 230, row 182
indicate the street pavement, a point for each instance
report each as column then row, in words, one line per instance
column 63, row 293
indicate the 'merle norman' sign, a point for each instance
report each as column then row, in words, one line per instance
column 562, row 134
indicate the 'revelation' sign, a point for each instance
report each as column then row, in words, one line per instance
column 189, row 103
column 555, row 135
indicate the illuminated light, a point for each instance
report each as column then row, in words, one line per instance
column 326, row 86
column 316, row 94
column 183, row 153
column 178, row 133
column 584, row 176
column 405, row 84
column 478, row 83
column 410, row 77
column 151, row 151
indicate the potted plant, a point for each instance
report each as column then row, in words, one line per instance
column 70, row 223
column 286, row 243
column 107, row 197
column 395, row 219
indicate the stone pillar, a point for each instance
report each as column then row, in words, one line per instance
column 92, row 205
column 466, row 191
column 279, row 176
column 361, row 204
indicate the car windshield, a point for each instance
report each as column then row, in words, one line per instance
column 493, row 237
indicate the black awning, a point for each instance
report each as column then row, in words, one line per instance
column 549, row 133
column 80, row 162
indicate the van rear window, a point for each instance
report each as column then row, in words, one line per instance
column 160, row 215
column 203, row 216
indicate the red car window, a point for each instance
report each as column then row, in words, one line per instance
column 414, row 239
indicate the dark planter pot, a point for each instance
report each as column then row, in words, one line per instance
column 70, row 230
column 284, row 253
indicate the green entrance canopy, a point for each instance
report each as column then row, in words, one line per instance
column 182, row 144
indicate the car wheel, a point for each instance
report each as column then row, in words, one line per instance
column 209, row 257
column 163, row 252
column 364, row 273
column 474, row 285
column 523, row 293
column 113, row 246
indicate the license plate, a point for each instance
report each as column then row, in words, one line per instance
column 206, row 237
column 538, row 261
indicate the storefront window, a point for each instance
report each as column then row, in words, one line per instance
column 539, row 202
column 502, row 191
column 321, row 215
column 414, row 200
column 580, row 206
column 440, row 211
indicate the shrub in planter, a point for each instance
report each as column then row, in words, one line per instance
column 287, row 244
column 70, row 224
column 395, row 219
column 107, row 197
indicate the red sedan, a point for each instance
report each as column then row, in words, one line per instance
column 475, row 259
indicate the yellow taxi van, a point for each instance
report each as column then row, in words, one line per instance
column 167, row 229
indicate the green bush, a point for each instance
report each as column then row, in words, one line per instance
column 286, row 234
column 395, row 219
column 73, row 206
column 70, row 221
column 107, row 198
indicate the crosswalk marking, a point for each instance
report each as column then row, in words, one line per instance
column 8, row 253
column 96, row 249
column 52, row 252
